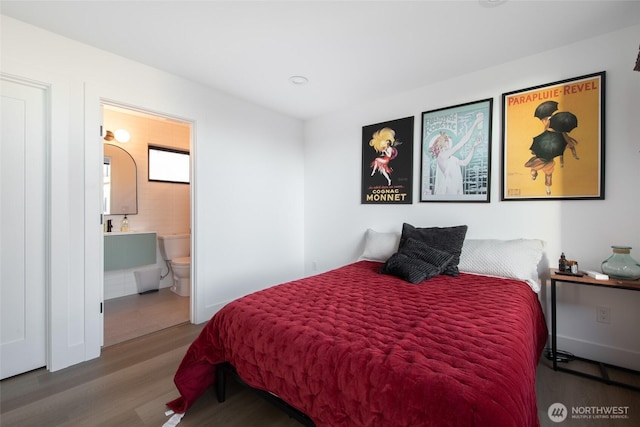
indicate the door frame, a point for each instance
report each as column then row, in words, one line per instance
column 46, row 215
column 94, row 264
column 67, row 340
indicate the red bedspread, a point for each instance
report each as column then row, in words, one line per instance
column 352, row 347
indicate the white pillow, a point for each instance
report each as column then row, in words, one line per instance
column 515, row 259
column 379, row 246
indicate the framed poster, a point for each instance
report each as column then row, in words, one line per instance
column 553, row 140
column 456, row 153
column 387, row 162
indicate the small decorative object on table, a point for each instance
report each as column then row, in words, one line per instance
column 568, row 267
column 573, row 266
column 562, row 263
column 620, row 265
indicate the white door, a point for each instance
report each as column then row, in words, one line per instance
column 23, row 229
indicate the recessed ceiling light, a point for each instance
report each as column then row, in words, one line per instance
column 491, row 3
column 299, row 80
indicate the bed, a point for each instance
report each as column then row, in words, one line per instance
column 357, row 347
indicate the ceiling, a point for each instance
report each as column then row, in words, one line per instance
column 352, row 52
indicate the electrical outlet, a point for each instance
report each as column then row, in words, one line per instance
column 603, row 314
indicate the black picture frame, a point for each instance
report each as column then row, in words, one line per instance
column 456, row 153
column 539, row 124
column 387, row 162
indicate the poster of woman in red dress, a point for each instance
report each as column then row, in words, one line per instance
column 387, row 162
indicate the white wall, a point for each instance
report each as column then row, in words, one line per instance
column 247, row 216
column 335, row 221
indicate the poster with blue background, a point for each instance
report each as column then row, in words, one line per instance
column 456, row 153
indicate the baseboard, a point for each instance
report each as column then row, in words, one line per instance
column 602, row 353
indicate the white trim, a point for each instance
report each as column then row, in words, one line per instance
column 46, row 89
column 60, row 350
column 602, row 353
column 97, row 96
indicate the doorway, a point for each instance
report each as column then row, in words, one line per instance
column 160, row 207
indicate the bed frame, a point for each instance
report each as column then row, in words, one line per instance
column 224, row 369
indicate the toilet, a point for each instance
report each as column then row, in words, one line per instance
column 175, row 249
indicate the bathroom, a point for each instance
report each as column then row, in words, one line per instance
column 162, row 207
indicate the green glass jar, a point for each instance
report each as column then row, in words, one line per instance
column 620, row 265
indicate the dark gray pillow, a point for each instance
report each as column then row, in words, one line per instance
column 447, row 239
column 416, row 262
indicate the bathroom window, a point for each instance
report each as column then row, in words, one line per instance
column 168, row 164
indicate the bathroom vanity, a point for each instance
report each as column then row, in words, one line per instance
column 129, row 249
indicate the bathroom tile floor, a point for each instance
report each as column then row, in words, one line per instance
column 136, row 315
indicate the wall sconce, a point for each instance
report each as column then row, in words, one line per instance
column 120, row 135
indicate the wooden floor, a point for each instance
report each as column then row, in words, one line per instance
column 136, row 315
column 578, row 393
column 130, row 383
